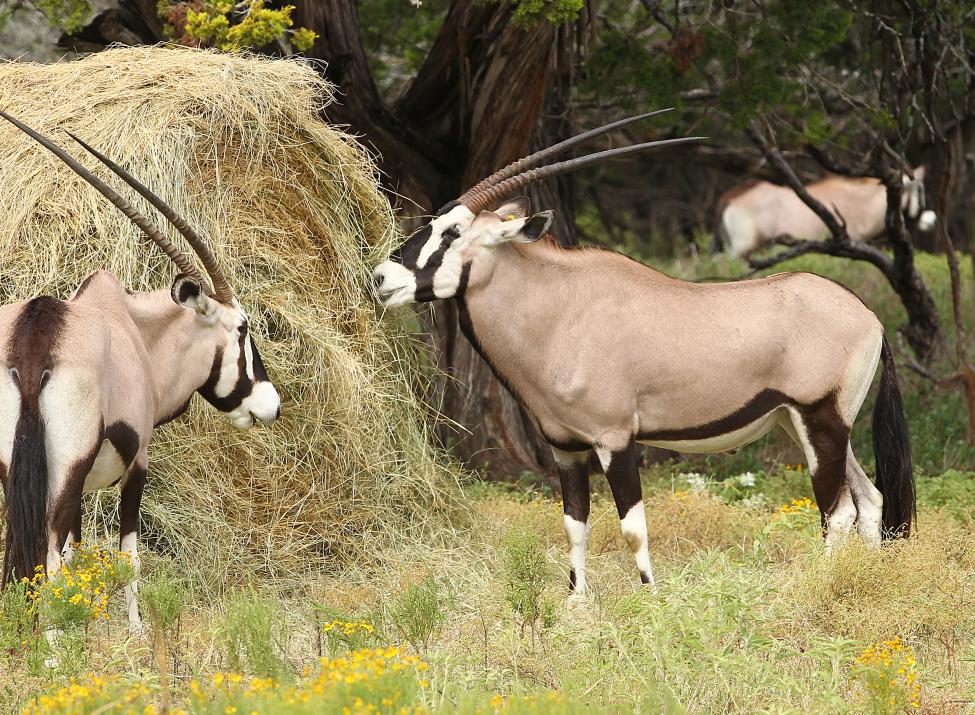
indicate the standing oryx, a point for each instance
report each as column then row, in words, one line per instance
column 86, row 380
column 605, row 352
column 752, row 214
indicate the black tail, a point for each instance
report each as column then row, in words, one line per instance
column 892, row 452
column 26, row 497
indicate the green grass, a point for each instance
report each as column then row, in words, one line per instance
column 749, row 616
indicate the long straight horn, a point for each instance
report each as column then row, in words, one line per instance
column 148, row 228
column 221, row 287
column 493, row 193
column 531, row 160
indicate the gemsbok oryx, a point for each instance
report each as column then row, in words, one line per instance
column 604, row 352
column 86, row 380
column 754, row 213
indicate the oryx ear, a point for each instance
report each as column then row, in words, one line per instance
column 537, row 226
column 188, row 293
column 514, row 208
column 518, row 230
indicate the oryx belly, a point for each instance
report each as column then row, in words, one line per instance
column 118, row 450
column 720, row 442
column 108, row 468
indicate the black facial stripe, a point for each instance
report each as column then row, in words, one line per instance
column 425, row 275
column 408, row 253
column 447, row 207
column 260, row 374
column 241, row 390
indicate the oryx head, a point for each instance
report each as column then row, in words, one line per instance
column 237, row 382
column 437, row 260
column 913, row 201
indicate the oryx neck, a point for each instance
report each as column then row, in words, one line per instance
column 179, row 359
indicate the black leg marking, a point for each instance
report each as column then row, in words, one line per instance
column 829, row 436
column 574, row 479
column 624, row 481
column 130, row 501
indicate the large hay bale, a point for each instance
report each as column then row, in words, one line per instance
column 293, row 210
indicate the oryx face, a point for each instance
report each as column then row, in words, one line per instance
column 913, row 201
column 435, row 262
column 237, row 383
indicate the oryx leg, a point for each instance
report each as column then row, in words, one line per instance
column 64, row 517
column 63, row 521
column 824, row 439
column 624, row 481
column 868, row 499
column 574, row 477
column 132, row 487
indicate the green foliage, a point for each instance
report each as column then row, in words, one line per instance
column 529, row 12
column 397, row 36
column 417, row 613
column 232, row 27
column 69, row 15
column 254, row 636
column 163, row 597
column 526, row 573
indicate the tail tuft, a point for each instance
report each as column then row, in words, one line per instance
column 892, row 452
column 26, row 498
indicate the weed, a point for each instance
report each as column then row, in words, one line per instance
column 526, row 573
column 417, row 613
column 254, row 636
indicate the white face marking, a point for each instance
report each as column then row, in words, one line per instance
column 397, row 284
column 634, row 528
column 264, row 403
column 577, row 535
column 459, row 216
column 927, row 221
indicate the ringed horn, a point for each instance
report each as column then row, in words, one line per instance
column 221, row 290
column 515, row 175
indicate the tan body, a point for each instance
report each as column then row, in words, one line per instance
column 618, row 349
column 753, row 214
column 85, row 382
column 121, row 357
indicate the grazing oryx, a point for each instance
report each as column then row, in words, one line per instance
column 752, row 214
column 605, row 352
column 86, row 380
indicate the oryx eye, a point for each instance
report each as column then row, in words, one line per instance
column 452, row 232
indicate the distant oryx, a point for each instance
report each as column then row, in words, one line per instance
column 605, row 352
column 752, row 214
column 86, row 381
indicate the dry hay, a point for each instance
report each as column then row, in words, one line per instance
column 292, row 208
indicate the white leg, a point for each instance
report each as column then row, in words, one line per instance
column 130, row 546
column 869, row 501
column 840, row 522
column 634, row 528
